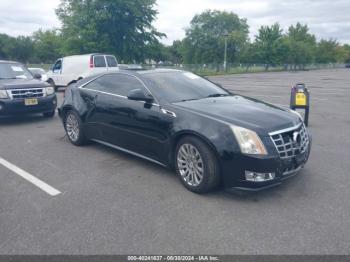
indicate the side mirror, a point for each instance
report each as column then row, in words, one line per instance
column 37, row 76
column 139, row 95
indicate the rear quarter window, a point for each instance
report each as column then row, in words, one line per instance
column 117, row 84
column 112, row 61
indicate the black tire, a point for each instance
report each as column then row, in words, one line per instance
column 49, row 114
column 80, row 137
column 211, row 171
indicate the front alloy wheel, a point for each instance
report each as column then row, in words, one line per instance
column 196, row 165
column 190, row 165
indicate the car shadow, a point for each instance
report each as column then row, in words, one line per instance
column 23, row 119
column 220, row 193
column 275, row 192
column 250, row 196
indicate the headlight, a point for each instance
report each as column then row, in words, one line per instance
column 50, row 90
column 3, row 94
column 249, row 141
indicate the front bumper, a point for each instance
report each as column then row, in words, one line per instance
column 282, row 168
column 10, row 107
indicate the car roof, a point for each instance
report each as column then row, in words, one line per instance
column 137, row 73
column 92, row 54
column 158, row 70
column 140, row 73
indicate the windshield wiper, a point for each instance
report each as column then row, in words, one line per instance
column 190, row 99
column 199, row 98
column 217, row 95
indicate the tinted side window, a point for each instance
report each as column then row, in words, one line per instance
column 58, row 65
column 118, row 84
column 99, row 61
column 111, row 61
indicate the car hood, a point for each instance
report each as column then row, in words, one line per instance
column 21, row 83
column 244, row 112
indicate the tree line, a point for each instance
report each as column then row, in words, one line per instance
column 205, row 39
column 124, row 28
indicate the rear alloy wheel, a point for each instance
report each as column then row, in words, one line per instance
column 196, row 165
column 73, row 126
column 49, row 114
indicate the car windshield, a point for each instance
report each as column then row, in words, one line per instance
column 182, row 86
column 14, row 71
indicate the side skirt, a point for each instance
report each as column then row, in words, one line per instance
column 129, row 152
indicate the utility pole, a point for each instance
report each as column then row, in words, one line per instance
column 225, row 52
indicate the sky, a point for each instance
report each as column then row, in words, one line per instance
column 325, row 18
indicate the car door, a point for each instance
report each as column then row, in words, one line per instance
column 133, row 125
column 57, row 71
column 93, row 116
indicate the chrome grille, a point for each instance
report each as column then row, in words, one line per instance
column 291, row 142
column 27, row 93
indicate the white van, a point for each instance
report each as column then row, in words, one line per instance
column 71, row 68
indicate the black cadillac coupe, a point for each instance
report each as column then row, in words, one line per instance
column 180, row 120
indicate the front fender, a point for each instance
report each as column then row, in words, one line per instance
column 217, row 134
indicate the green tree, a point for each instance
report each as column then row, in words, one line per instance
column 23, row 49
column 5, row 44
column 187, row 51
column 249, row 55
column 347, row 53
column 16, row 48
column 205, row 38
column 176, row 52
column 326, row 51
column 47, row 45
column 268, row 45
column 343, row 53
column 121, row 27
column 158, row 52
column 301, row 46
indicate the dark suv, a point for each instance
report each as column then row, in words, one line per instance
column 23, row 93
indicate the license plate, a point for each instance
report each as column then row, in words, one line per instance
column 300, row 99
column 30, row 101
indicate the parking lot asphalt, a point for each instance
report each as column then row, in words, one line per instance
column 114, row 203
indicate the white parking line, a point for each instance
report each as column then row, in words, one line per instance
column 30, row 178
